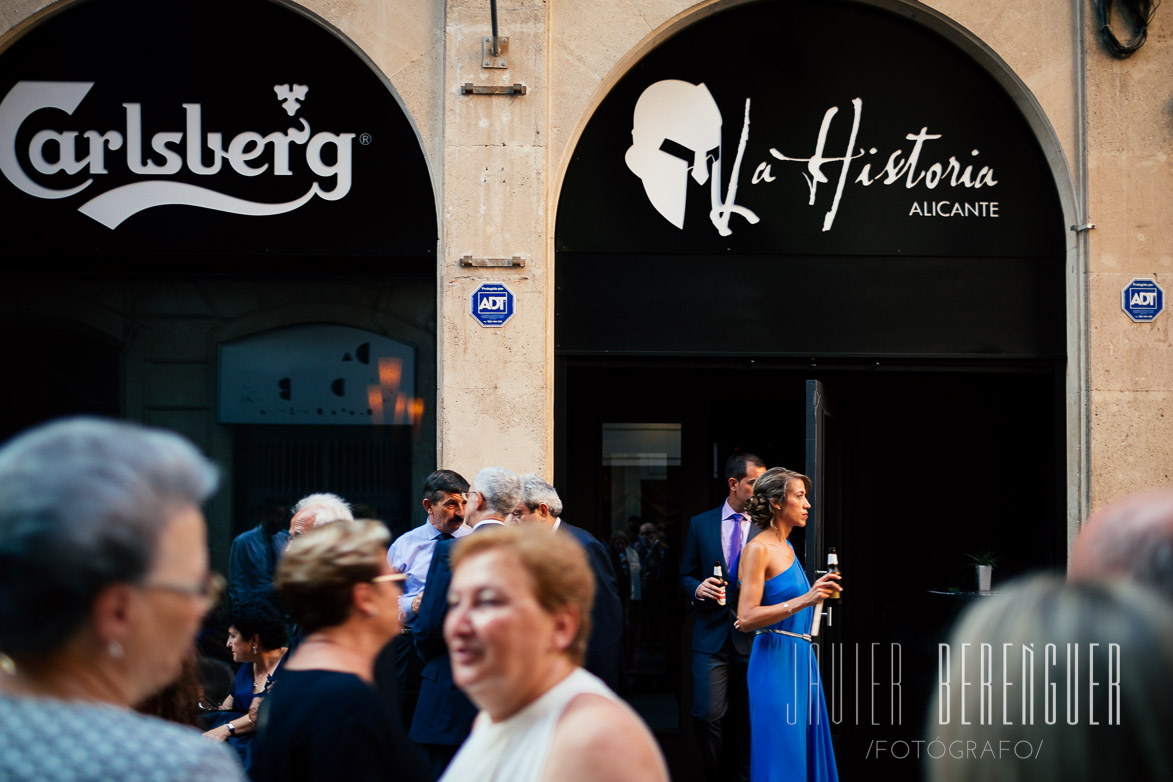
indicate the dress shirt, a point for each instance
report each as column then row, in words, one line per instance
column 411, row 554
column 727, row 533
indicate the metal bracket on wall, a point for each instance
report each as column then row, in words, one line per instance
column 498, row 60
column 468, row 261
column 497, row 89
column 1081, row 228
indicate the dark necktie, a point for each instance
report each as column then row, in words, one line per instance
column 735, row 547
column 446, row 536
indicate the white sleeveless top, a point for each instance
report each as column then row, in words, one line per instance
column 515, row 750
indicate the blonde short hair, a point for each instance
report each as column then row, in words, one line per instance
column 315, row 577
column 556, row 566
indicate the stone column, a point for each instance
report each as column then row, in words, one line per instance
column 495, row 400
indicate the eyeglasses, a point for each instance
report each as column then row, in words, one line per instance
column 389, row 577
column 468, row 495
column 210, row 589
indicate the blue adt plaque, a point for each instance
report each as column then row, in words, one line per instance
column 1142, row 300
column 491, row 304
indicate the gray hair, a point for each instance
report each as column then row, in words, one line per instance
column 1041, row 629
column 1131, row 537
column 82, row 504
column 326, row 508
column 500, row 489
column 535, row 492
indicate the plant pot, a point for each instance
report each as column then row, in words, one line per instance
column 984, row 574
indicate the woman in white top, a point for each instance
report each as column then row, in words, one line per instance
column 517, row 629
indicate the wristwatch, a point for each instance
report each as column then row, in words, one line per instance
column 231, row 728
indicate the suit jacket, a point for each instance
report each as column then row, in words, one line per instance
column 604, row 655
column 443, row 714
column 714, row 623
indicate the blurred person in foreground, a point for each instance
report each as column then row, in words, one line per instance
column 1131, row 537
column 324, row 720
column 517, row 629
column 103, row 583
column 1059, row 682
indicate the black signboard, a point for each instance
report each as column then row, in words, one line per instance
column 229, row 127
column 810, row 128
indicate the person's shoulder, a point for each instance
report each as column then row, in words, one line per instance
column 248, row 536
column 320, row 679
column 599, row 737
column 583, row 535
column 713, row 512
column 333, row 696
column 142, row 746
column 756, row 543
column 410, row 535
column 709, row 515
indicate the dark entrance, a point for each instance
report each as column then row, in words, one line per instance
column 735, row 226
column 933, row 462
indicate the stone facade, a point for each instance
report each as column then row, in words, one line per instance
column 497, row 162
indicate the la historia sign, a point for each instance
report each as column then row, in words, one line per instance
column 677, row 128
column 896, row 141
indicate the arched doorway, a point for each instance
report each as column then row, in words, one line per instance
column 787, row 203
column 201, row 168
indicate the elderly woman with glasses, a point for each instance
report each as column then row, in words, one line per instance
column 323, row 719
column 516, row 630
column 103, row 583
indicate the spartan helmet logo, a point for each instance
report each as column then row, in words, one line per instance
column 675, row 127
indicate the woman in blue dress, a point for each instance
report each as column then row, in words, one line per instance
column 258, row 641
column 790, row 737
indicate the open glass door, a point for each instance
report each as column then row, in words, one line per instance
column 824, row 529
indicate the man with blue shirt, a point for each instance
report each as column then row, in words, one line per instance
column 411, row 553
column 444, row 715
column 253, row 556
column 720, row 653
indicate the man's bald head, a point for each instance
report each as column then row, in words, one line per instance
column 1131, row 537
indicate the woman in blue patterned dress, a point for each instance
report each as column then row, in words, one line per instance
column 790, row 736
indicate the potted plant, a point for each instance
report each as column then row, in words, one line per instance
column 984, row 562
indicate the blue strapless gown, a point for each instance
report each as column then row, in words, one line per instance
column 790, row 737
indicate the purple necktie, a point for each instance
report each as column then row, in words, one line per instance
column 735, row 547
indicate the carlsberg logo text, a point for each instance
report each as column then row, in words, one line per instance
column 59, row 149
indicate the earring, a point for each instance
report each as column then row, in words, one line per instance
column 114, row 649
column 7, row 664
column 254, row 648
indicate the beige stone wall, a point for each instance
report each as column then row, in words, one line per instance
column 497, row 162
column 1130, row 146
column 496, row 393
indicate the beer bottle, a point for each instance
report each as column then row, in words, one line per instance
column 718, row 574
column 833, row 567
